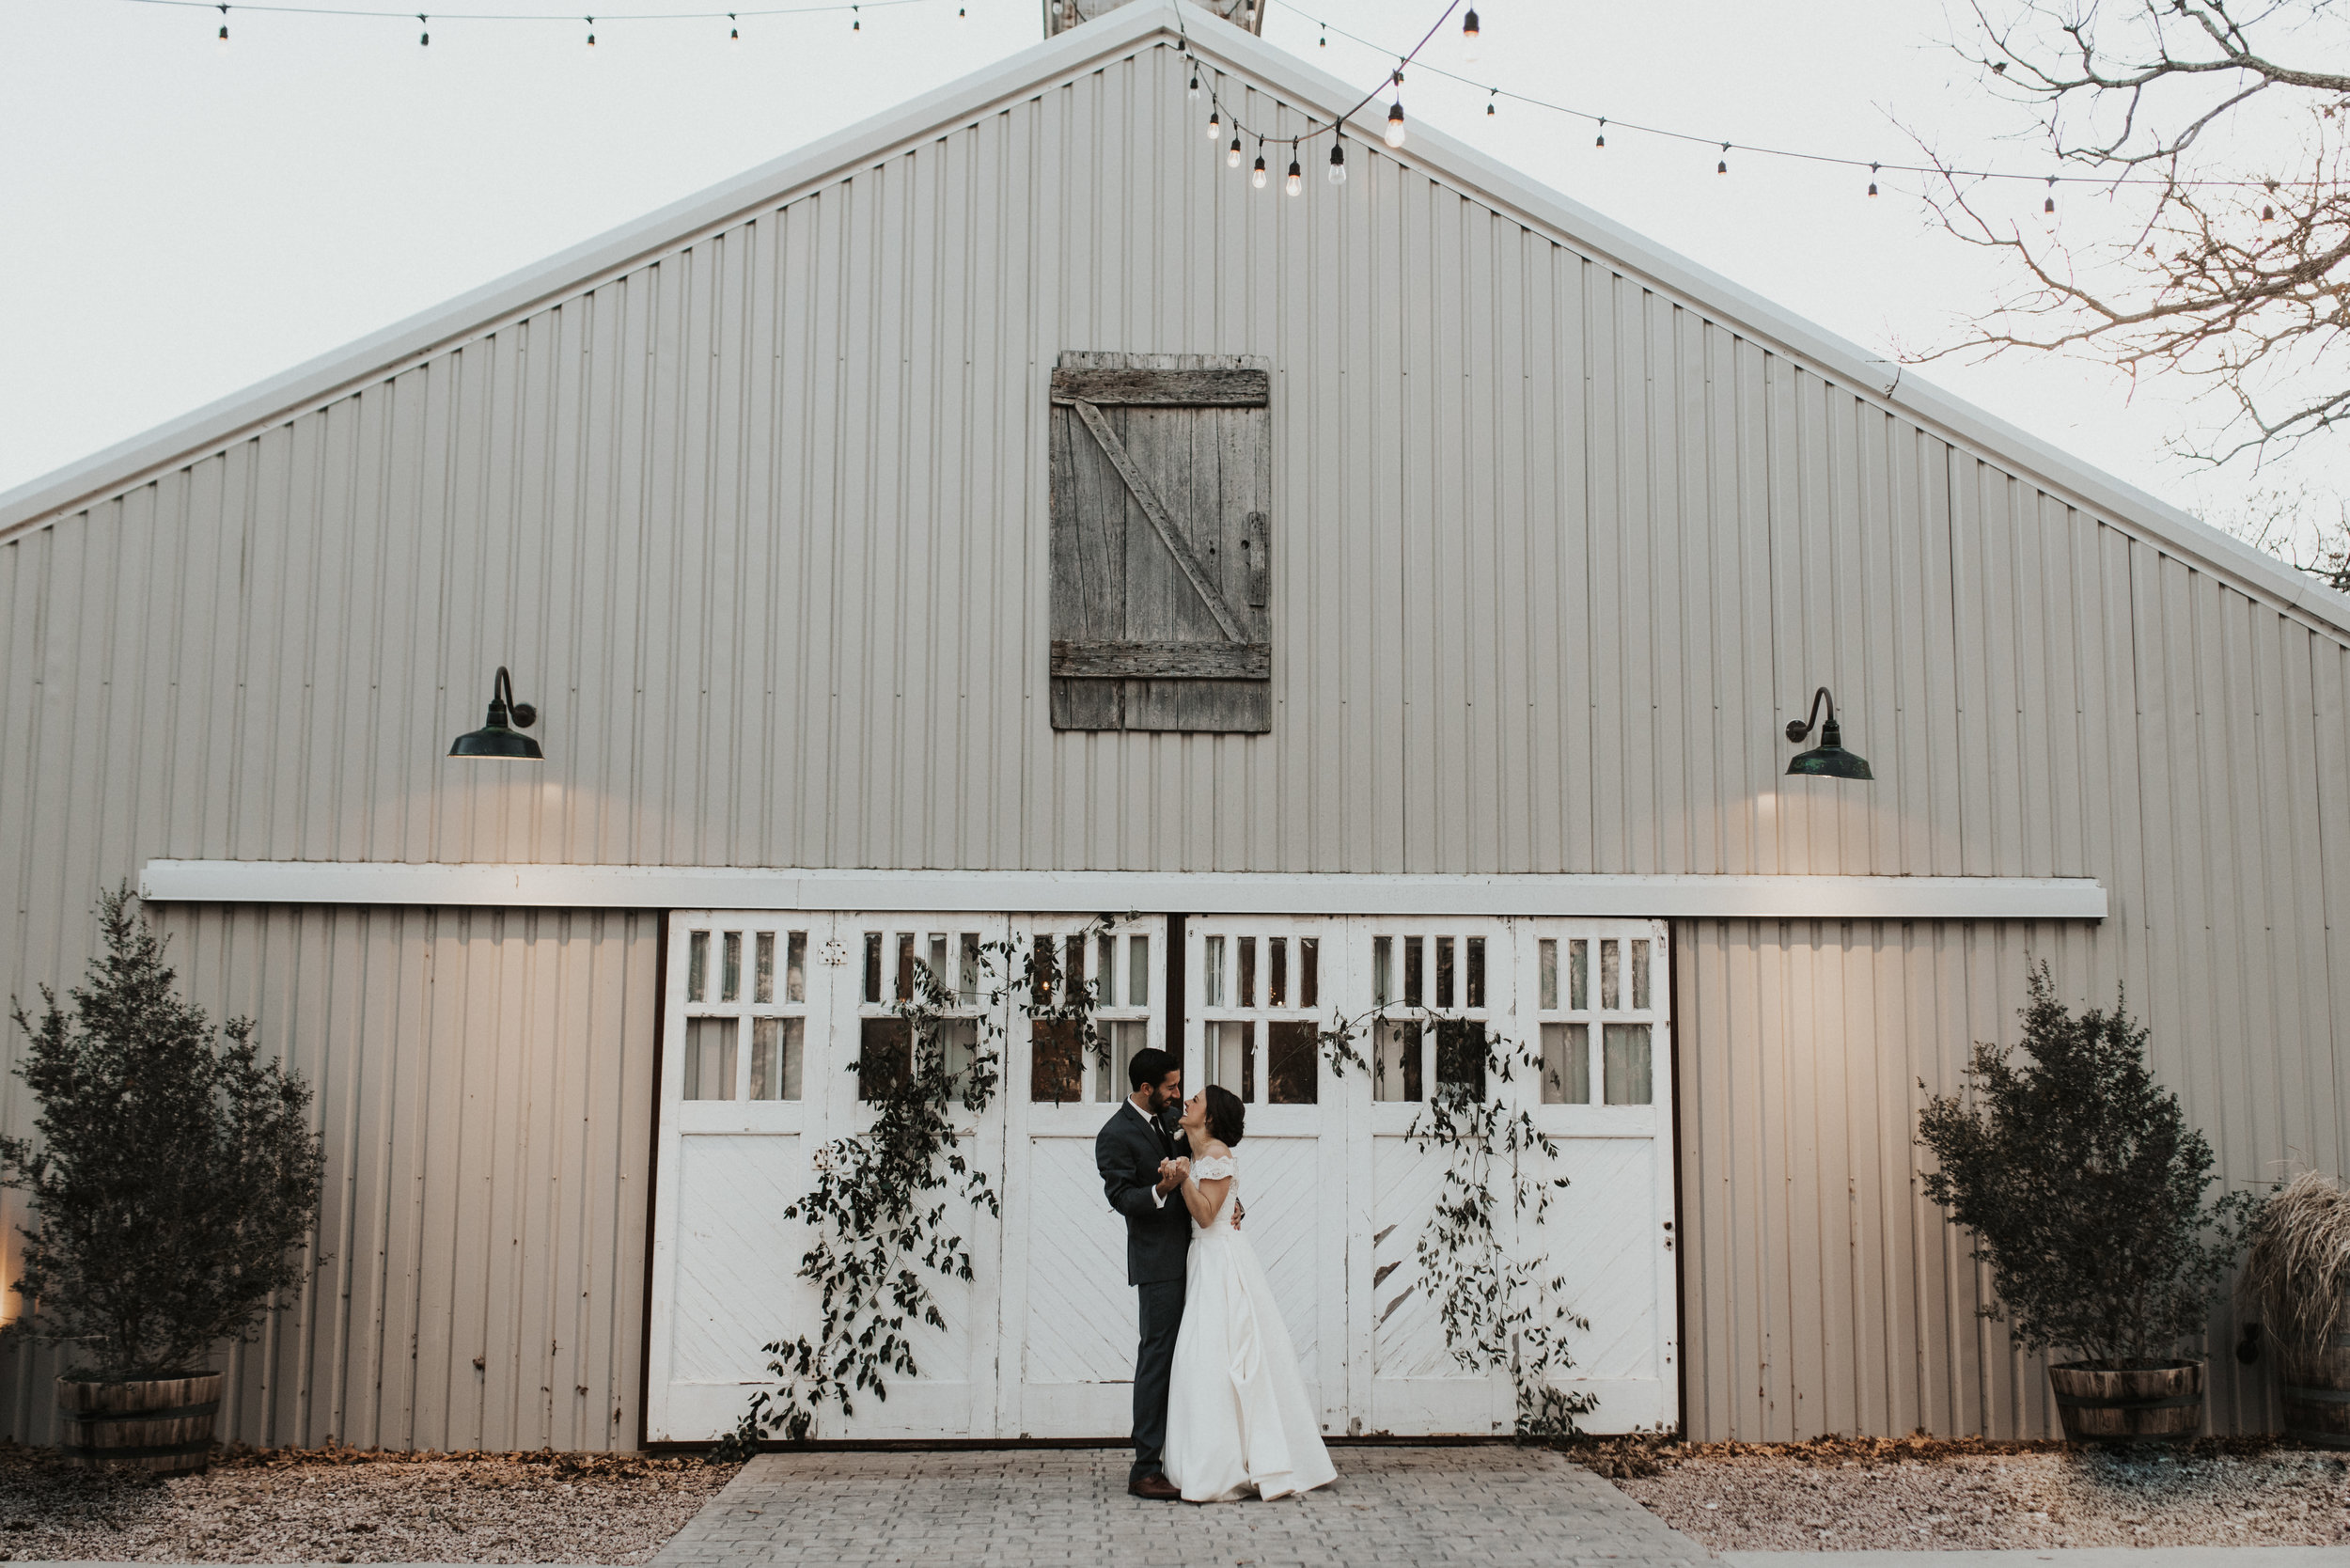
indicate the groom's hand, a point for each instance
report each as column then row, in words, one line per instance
column 1171, row 1174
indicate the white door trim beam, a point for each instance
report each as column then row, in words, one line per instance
column 1889, row 898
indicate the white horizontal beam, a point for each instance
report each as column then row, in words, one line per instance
column 1887, row 897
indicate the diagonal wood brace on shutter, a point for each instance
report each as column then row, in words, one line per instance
column 1156, row 509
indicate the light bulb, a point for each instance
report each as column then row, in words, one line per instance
column 1231, row 154
column 1216, row 123
column 1195, row 83
column 1296, row 181
column 224, row 26
column 424, row 40
column 1257, row 175
column 1723, row 167
column 591, row 32
column 1603, row 134
column 1468, row 35
column 2048, row 206
column 1395, row 124
column 1338, row 163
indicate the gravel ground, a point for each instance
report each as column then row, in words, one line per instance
column 345, row 1505
column 1875, row 1495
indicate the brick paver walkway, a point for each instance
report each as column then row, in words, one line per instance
column 1490, row 1507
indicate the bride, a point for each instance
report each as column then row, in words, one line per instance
column 1237, row 1417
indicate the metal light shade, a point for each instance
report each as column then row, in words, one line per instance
column 1829, row 760
column 498, row 739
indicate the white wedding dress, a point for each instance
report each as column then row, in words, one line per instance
column 1237, row 1417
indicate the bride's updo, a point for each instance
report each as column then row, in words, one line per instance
column 1226, row 1115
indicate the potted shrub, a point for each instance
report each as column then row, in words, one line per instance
column 2085, row 1190
column 2297, row 1279
column 172, row 1181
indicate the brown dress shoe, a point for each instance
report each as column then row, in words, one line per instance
column 1155, row 1486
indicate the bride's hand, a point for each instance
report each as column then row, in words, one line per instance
column 1240, row 1212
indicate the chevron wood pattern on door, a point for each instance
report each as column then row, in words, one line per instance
column 1602, row 1230
column 1284, row 1221
column 1408, row 1332
column 1081, row 1318
column 737, row 1255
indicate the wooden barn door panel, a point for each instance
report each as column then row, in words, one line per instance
column 1161, row 543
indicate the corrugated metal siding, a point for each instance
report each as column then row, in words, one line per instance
column 484, row 1080
column 760, row 525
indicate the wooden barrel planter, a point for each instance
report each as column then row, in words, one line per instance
column 163, row 1423
column 2161, row 1403
column 2317, row 1395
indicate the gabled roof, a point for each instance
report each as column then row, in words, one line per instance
column 1073, row 54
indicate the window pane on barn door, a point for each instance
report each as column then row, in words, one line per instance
column 730, row 974
column 776, row 1049
column 1461, row 1057
column 710, row 1048
column 1626, row 1067
column 884, row 1057
column 763, row 970
column 697, row 967
column 1395, row 1068
column 1057, row 1065
column 795, row 968
column 1566, row 1064
column 1137, row 974
column 1290, row 1076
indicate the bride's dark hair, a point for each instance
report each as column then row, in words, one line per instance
column 1225, row 1114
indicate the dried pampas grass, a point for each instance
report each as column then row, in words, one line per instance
column 2297, row 1273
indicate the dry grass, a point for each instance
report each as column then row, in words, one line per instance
column 341, row 1505
column 2297, row 1273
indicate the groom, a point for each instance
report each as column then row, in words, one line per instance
column 1140, row 1171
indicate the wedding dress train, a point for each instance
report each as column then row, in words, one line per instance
column 1237, row 1417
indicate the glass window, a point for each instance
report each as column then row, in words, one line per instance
column 1566, row 1064
column 1395, row 1066
column 697, row 968
column 1290, row 1077
column 1057, row 1068
column 730, row 979
column 1138, row 971
column 884, row 1057
column 1214, row 980
column 1308, row 971
column 1461, row 1057
column 1639, row 976
column 1381, row 970
column 763, row 970
column 1626, row 1048
column 1546, row 967
column 1476, row 982
column 709, row 1057
column 1276, row 984
column 795, row 967
column 775, row 1057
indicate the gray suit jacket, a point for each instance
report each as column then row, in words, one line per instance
column 1158, row 1236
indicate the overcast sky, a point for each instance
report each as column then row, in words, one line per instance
column 181, row 219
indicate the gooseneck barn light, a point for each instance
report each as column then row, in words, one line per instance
column 497, row 739
column 1828, row 760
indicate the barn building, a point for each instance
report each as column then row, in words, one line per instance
column 1005, row 511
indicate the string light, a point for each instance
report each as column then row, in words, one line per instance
column 856, row 22
column 591, row 32
column 1491, row 94
column 424, row 40
column 1603, row 134
column 1231, row 155
column 1468, row 35
column 1257, row 175
column 1195, row 82
column 1325, row 38
column 1296, row 181
column 1395, row 121
column 1723, row 167
column 1338, row 163
column 734, row 33
column 1872, row 180
column 1216, row 123
column 224, row 26
column 2049, row 205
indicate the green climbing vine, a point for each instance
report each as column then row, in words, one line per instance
column 889, row 1205
column 1501, row 1311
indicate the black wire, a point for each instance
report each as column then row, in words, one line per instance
column 1216, row 100
column 540, row 16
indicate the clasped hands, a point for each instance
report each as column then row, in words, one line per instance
column 1172, row 1173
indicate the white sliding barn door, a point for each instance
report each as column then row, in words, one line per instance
column 1254, row 989
column 765, row 1012
column 1070, row 1319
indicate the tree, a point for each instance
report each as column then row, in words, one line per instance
column 174, row 1175
column 2233, row 266
column 2084, row 1186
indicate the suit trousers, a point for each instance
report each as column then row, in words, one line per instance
column 1155, row 1364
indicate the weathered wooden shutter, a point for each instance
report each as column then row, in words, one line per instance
column 1162, row 543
